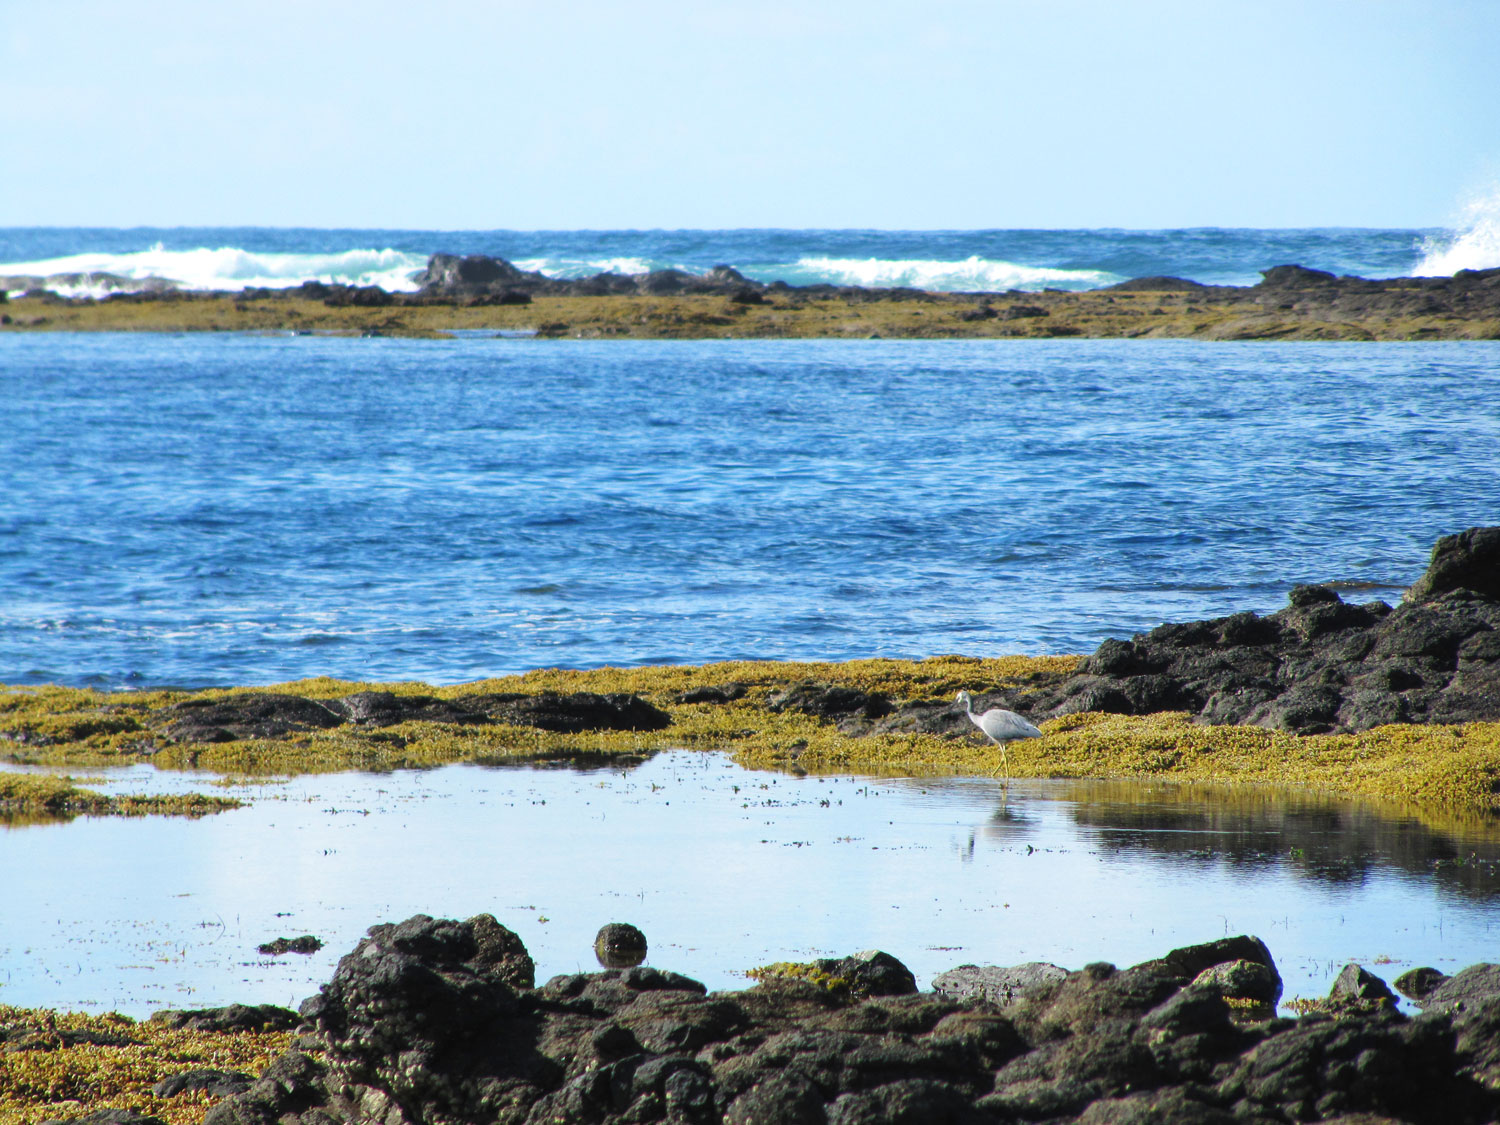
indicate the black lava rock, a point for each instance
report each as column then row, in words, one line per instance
column 1320, row 664
column 424, row 1023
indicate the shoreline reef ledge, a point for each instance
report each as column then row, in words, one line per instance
column 441, row 1021
column 479, row 293
column 1400, row 703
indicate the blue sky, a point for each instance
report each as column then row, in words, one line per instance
column 557, row 114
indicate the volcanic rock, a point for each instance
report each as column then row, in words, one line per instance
column 997, row 984
column 219, row 1083
column 248, row 715
column 307, row 943
column 420, row 1025
column 1357, row 983
column 1418, row 984
column 578, row 711
column 235, row 1017
column 619, row 945
column 1320, row 664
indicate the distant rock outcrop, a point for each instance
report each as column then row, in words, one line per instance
column 448, row 276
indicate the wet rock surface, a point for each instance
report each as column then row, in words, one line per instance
column 427, row 1021
column 234, row 1017
column 307, row 943
column 269, row 715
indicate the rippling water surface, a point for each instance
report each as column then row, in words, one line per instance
column 213, row 509
column 725, row 869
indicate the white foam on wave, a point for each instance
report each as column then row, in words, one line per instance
column 567, row 269
column 1476, row 246
column 972, row 275
column 224, row 268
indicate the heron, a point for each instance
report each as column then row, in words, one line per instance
column 999, row 726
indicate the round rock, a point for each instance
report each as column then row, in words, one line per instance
column 620, row 945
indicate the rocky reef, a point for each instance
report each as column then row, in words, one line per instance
column 440, row 1021
column 478, row 292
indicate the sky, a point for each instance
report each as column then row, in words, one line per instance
column 563, row 114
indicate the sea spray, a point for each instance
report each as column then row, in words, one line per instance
column 1475, row 246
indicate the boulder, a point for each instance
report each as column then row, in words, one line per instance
column 1464, row 989
column 1469, row 560
column 619, row 945
column 995, row 984
column 1318, row 665
column 1358, row 984
column 424, row 1023
column 830, row 702
column 1295, row 277
column 1418, row 984
column 450, row 275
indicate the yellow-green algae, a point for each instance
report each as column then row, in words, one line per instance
column 43, row 1078
column 1221, row 315
column 807, row 971
column 47, row 796
column 1452, row 770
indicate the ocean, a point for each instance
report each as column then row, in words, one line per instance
column 968, row 261
column 232, row 509
column 218, row 509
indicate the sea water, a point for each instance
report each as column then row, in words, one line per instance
column 232, row 509
column 232, row 258
column 725, row 869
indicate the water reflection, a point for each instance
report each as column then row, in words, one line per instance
column 724, row 869
column 1322, row 838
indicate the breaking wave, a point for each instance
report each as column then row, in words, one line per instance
column 972, row 275
column 226, row 268
column 230, row 268
column 571, row 268
column 1475, row 247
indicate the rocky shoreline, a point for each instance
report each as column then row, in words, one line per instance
column 478, row 293
column 440, row 1021
column 1399, row 702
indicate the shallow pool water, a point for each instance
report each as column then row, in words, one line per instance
column 724, row 869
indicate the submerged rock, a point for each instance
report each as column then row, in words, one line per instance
column 307, row 943
column 421, row 1023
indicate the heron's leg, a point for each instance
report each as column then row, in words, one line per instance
column 1004, row 762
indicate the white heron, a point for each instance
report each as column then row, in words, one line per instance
column 999, row 726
